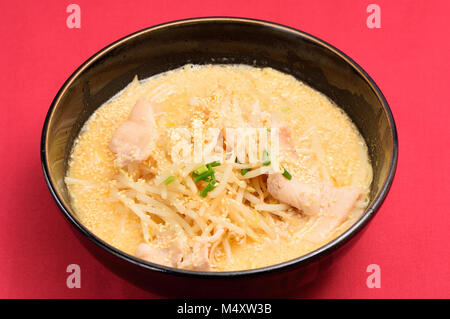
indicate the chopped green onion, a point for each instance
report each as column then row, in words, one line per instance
column 214, row 164
column 201, row 170
column 287, row 174
column 211, row 185
column 203, row 176
column 266, row 158
column 169, row 180
column 244, row 171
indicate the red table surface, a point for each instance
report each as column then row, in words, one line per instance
column 407, row 57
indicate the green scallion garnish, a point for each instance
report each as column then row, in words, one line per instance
column 203, row 176
column 214, row 164
column 287, row 174
column 266, row 158
column 201, row 170
column 169, row 180
column 211, row 185
column 244, row 171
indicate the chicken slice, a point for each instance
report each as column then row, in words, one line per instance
column 135, row 138
column 198, row 259
column 330, row 204
column 170, row 256
column 172, row 251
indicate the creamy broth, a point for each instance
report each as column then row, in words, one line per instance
column 328, row 149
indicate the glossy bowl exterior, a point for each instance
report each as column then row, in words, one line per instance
column 225, row 41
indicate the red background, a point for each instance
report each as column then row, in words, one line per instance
column 407, row 57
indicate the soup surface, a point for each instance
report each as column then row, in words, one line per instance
column 219, row 168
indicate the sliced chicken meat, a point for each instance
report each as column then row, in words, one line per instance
column 330, row 204
column 170, row 256
column 175, row 252
column 197, row 259
column 312, row 199
column 135, row 138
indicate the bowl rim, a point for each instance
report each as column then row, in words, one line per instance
column 303, row 260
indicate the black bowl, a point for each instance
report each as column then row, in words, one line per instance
column 226, row 41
